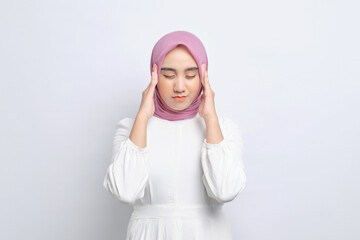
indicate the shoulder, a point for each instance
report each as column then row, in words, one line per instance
column 230, row 128
column 232, row 131
column 228, row 124
column 125, row 124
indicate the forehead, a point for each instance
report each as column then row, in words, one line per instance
column 179, row 59
column 179, row 55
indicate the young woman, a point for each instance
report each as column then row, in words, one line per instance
column 177, row 162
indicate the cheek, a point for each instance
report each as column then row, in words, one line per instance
column 195, row 85
column 164, row 87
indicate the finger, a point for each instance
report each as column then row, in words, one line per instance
column 154, row 78
column 154, row 81
column 150, row 85
column 156, row 74
column 207, row 79
column 203, row 75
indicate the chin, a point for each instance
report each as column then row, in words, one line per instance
column 179, row 108
column 180, row 105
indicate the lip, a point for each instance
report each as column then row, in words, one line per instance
column 180, row 98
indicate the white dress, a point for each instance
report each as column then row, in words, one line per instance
column 178, row 183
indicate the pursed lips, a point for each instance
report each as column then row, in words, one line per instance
column 180, row 98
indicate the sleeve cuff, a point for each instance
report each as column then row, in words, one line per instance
column 137, row 148
column 214, row 145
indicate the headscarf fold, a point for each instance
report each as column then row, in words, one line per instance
column 164, row 45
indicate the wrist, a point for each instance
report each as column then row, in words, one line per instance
column 142, row 116
column 211, row 119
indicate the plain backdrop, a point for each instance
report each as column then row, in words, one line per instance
column 286, row 71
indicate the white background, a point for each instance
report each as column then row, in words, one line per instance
column 286, row 71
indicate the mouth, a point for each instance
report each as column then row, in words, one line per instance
column 180, row 98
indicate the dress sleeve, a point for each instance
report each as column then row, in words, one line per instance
column 127, row 175
column 223, row 169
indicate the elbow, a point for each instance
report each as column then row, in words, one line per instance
column 127, row 175
column 230, row 192
column 232, row 196
column 125, row 190
column 228, row 196
column 225, row 193
column 123, row 196
column 128, row 198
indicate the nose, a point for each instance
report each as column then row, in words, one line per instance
column 180, row 85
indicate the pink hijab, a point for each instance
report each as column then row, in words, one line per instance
column 161, row 48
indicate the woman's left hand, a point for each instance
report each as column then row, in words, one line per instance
column 207, row 103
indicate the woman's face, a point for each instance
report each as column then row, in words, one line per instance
column 179, row 76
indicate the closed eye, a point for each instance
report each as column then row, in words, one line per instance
column 170, row 77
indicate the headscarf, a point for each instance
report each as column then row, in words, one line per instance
column 164, row 45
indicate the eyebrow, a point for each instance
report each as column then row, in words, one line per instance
column 174, row 70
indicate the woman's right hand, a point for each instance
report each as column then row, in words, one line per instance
column 147, row 107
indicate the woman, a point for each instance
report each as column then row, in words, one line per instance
column 177, row 163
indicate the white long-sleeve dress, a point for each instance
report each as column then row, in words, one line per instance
column 178, row 183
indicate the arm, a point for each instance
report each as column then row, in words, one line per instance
column 127, row 175
column 139, row 131
column 224, row 177
column 213, row 130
